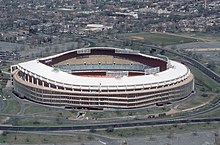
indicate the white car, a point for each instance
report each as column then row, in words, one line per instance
column 4, row 99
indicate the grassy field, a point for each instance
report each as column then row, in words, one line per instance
column 217, row 68
column 203, row 80
column 24, row 138
column 13, row 106
column 157, row 130
column 215, row 113
column 2, row 119
column 196, row 101
column 161, row 39
column 109, row 114
column 31, row 109
column 38, row 122
column 207, row 36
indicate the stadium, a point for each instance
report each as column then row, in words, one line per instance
column 102, row 78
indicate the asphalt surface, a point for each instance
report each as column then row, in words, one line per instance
column 104, row 126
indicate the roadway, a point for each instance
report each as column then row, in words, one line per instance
column 104, row 126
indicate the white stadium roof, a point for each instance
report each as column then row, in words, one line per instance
column 42, row 71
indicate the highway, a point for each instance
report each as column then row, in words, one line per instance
column 200, row 66
column 104, row 126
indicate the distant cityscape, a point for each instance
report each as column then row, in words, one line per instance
column 39, row 22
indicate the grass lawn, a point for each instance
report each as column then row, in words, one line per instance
column 28, row 138
column 47, row 111
column 214, row 113
column 196, row 101
column 208, row 36
column 204, row 80
column 2, row 119
column 217, row 68
column 109, row 114
column 36, row 122
column 161, row 39
column 13, row 106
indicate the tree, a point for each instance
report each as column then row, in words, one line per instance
column 92, row 130
column 109, row 129
column 27, row 139
column 5, row 133
column 90, row 137
column 162, row 52
column 211, row 64
column 204, row 95
column 173, row 47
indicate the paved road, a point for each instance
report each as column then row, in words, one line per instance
column 104, row 126
column 203, row 69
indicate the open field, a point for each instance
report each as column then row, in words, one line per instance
column 205, row 36
column 28, row 138
column 12, row 107
column 161, row 39
column 2, row 119
column 158, row 130
column 38, row 122
column 204, row 81
column 197, row 101
column 215, row 113
column 34, row 109
column 118, row 113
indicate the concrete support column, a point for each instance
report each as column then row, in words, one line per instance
column 25, row 75
column 193, row 87
column 28, row 78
